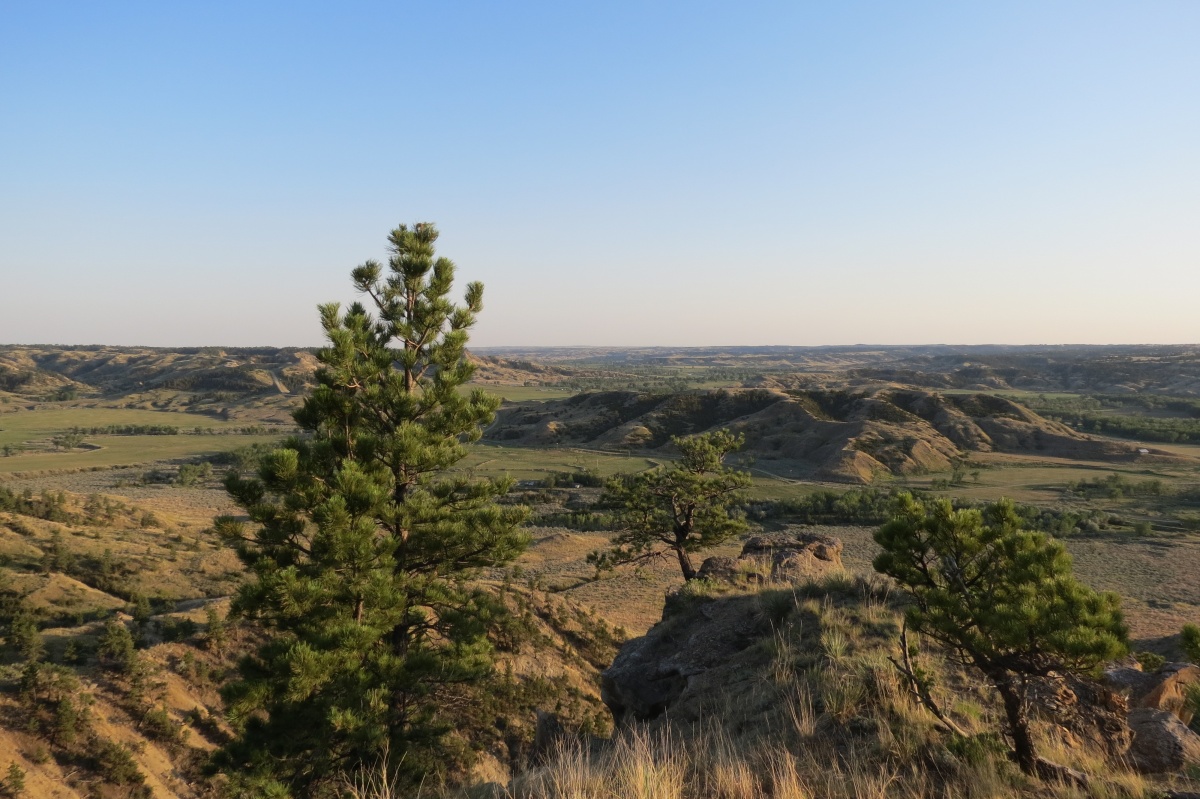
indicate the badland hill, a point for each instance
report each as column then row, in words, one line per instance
column 823, row 434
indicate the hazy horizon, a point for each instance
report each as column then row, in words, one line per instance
column 205, row 174
column 629, row 347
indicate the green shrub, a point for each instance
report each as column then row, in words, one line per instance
column 776, row 605
column 692, row 593
column 115, row 762
column 1189, row 639
column 157, row 724
column 977, row 749
column 178, row 629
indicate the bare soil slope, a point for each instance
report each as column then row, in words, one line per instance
column 832, row 435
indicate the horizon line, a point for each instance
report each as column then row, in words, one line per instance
column 481, row 348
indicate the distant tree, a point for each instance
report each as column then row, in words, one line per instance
column 57, row 558
column 216, row 631
column 66, row 721
column 678, row 509
column 14, row 780
column 68, row 440
column 18, row 627
column 363, row 548
column 116, row 647
column 141, row 611
column 1002, row 599
column 23, row 636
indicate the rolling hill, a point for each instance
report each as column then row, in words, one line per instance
column 852, row 436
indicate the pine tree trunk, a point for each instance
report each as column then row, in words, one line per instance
column 685, row 563
column 1018, row 725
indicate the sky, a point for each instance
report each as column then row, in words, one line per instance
column 616, row 173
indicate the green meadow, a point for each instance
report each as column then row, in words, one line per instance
column 28, row 434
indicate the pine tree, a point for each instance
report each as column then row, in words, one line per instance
column 216, row 631
column 679, row 509
column 363, row 545
column 116, row 648
column 14, row 780
column 1000, row 598
column 23, row 635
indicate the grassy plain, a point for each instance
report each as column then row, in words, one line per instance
column 523, row 463
column 25, row 424
column 128, row 450
column 30, row 430
column 524, row 393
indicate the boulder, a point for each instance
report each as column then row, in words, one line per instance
column 796, row 554
column 1126, row 676
column 1085, row 713
column 1165, row 689
column 719, row 567
column 1162, row 744
column 1169, row 693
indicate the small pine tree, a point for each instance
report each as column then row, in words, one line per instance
column 14, row 780
column 363, row 549
column 216, row 631
column 116, row 648
column 678, row 509
column 1001, row 598
column 28, row 638
column 66, row 722
column 141, row 611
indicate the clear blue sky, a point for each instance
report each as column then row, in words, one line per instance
column 616, row 173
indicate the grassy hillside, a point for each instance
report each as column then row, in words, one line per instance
column 805, row 702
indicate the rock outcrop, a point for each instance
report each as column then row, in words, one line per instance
column 1162, row 744
column 1087, row 714
column 1169, row 692
column 673, row 660
column 679, row 660
column 1162, row 741
column 795, row 554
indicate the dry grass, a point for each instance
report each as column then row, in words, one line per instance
column 829, row 718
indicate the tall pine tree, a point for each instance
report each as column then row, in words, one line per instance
column 362, row 545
